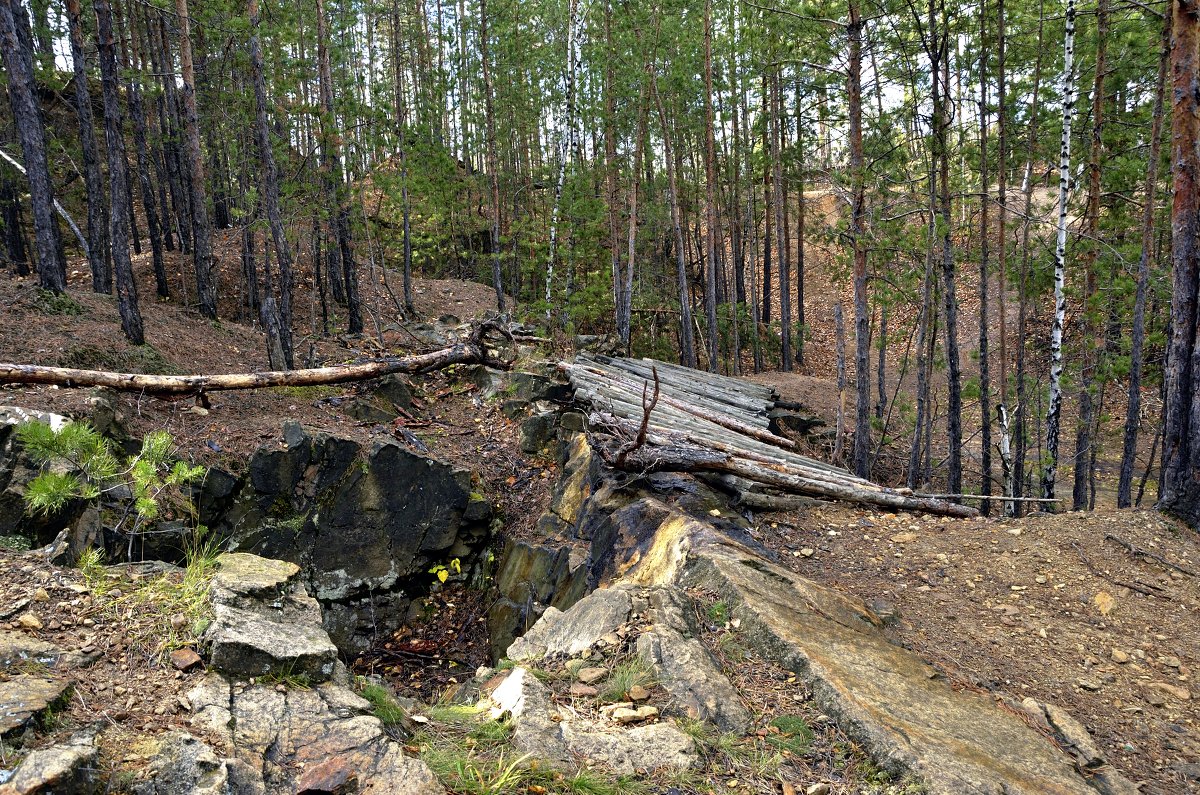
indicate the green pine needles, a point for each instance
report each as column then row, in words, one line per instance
column 80, row 464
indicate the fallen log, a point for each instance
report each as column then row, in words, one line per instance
column 674, row 453
column 471, row 351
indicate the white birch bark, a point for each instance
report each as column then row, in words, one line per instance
column 566, row 139
column 1054, row 403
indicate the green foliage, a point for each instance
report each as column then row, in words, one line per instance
column 383, row 706
column 52, row 303
column 133, row 359
column 79, row 463
column 794, row 736
column 632, row 673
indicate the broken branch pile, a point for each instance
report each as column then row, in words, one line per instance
column 718, row 427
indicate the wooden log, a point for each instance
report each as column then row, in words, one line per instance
column 753, row 414
column 723, row 421
column 728, row 390
column 473, row 351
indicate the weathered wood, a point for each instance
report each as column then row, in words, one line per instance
column 752, row 410
column 471, row 351
column 725, row 421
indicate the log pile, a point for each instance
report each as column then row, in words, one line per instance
column 651, row 416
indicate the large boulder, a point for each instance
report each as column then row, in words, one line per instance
column 363, row 524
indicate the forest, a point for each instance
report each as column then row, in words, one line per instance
column 1004, row 195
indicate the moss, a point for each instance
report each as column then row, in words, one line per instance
column 134, row 359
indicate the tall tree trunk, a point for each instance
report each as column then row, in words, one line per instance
column 949, row 297
column 687, row 343
column 1022, row 411
column 711, row 237
column 985, row 385
column 862, row 333
column 133, row 95
column 1138, row 334
column 801, row 222
column 202, row 256
column 1089, row 332
column 493, row 164
column 1002, row 248
column 10, row 218
column 331, row 149
column 16, row 47
column 127, row 297
column 279, row 327
column 1054, row 402
column 99, row 254
column 566, row 142
column 768, row 205
column 1181, row 425
column 779, row 203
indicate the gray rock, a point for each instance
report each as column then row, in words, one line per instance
column 1076, row 740
column 538, row 432
column 685, row 668
column 358, row 521
column 264, row 622
column 184, row 765
column 305, row 740
column 16, row 471
column 69, row 767
column 559, row 738
column 396, row 390
column 577, row 629
column 25, row 697
column 369, row 411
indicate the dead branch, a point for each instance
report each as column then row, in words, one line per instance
column 1142, row 553
column 473, row 350
column 1145, row 589
column 647, row 408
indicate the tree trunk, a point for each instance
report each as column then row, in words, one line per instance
column 858, row 211
column 711, row 237
column 17, row 49
column 99, row 254
column 493, row 164
column 687, row 343
column 10, row 218
column 1138, row 333
column 1054, row 402
column 133, row 94
column 279, row 327
column 1181, row 425
column 202, row 256
column 985, row 385
column 127, row 297
column 341, row 254
column 1091, row 350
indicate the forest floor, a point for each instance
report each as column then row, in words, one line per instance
column 1052, row 606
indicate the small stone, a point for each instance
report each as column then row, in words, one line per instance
column 280, row 688
column 41, row 595
column 627, row 715
column 807, row 552
column 590, row 676
column 638, row 693
column 1179, row 693
column 29, row 621
column 1088, row 684
column 1170, row 662
column 178, row 621
column 185, row 659
column 904, row 538
column 87, row 622
column 184, row 703
column 581, row 690
column 1040, row 580
column 817, row 789
column 1119, row 656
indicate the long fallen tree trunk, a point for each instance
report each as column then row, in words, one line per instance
column 672, row 452
column 471, row 351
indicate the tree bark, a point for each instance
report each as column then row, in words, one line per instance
column 127, row 297
column 99, row 254
column 16, row 47
column 862, row 332
column 1138, row 333
column 1054, row 402
column 279, row 327
column 493, row 163
column 1091, row 350
column 202, row 256
column 985, row 385
column 711, row 228
column 1181, row 425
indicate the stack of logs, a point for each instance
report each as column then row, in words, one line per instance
column 653, row 416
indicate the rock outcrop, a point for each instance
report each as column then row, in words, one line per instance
column 360, row 523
